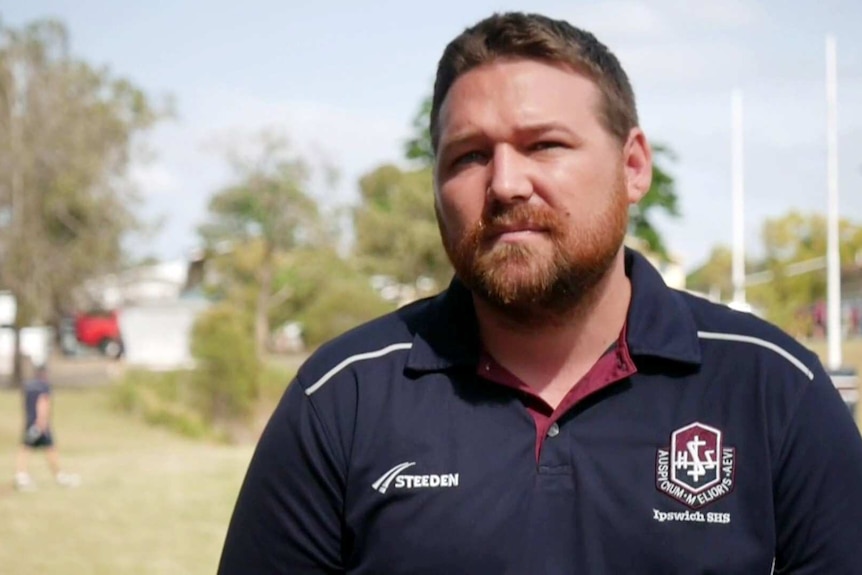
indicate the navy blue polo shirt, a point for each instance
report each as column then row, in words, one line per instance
column 724, row 448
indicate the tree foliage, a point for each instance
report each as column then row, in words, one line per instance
column 268, row 208
column 329, row 294
column 418, row 147
column 225, row 380
column 790, row 275
column 396, row 229
column 793, row 239
column 67, row 131
column 714, row 277
column 660, row 199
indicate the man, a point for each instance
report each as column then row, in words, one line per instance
column 557, row 409
column 38, row 435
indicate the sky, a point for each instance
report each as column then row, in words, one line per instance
column 343, row 80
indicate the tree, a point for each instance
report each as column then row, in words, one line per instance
column 225, row 384
column 67, row 131
column 790, row 277
column 396, row 230
column 794, row 244
column 661, row 198
column 418, row 147
column 268, row 205
column 714, row 276
column 329, row 295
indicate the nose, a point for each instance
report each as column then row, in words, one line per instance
column 509, row 181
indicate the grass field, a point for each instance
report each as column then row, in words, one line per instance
column 149, row 503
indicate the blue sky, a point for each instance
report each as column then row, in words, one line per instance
column 343, row 79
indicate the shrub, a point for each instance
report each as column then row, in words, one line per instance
column 160, row 398
column 225, row 380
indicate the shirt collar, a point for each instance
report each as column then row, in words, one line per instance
column 450, row 335
column 659, row 323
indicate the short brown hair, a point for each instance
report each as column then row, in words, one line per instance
column 537, row 37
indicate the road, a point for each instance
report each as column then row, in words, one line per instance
column 81, row 371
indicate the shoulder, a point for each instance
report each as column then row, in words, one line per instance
column 761, row 372
column 376, row 346
column 745, row 336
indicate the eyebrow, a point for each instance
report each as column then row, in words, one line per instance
column 472, row 133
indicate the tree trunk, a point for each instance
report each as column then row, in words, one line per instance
column 17, row 358
column 261, row 315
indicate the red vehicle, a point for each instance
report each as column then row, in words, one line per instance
column 100, row 330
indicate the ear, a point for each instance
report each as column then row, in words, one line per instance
column 637, row 165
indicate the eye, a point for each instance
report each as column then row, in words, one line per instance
column 468, row 158
column 546, row 145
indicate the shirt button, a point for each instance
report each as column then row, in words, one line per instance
column 554, row 430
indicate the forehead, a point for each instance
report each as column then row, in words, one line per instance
column 506, row 94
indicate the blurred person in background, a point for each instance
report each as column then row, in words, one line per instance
column 38, row 434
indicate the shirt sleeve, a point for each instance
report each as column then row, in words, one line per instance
column 818, row 486
column 287, row 518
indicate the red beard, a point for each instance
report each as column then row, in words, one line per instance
column 524, row 278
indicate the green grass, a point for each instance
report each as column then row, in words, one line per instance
column 151, row 502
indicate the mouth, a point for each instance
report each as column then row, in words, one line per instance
column 514, row 231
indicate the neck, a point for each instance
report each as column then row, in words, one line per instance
column 543, row 350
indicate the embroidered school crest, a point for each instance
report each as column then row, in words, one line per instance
column 697, row 468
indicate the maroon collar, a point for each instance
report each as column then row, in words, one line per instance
column 615, row 365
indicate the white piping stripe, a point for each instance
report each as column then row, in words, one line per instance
column 353, row 359
column 761, row 342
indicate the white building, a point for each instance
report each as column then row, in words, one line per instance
column 160, row 282
column 157, row 306
column 35, row 340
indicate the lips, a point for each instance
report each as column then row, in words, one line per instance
column 496, row 230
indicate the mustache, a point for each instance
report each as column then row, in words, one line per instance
column 520, row 216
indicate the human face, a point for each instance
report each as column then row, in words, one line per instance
column 532, row 192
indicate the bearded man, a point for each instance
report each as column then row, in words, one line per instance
column 558, row 409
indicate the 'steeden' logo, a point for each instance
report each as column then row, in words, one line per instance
column 698, row 468
column 396, row 479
